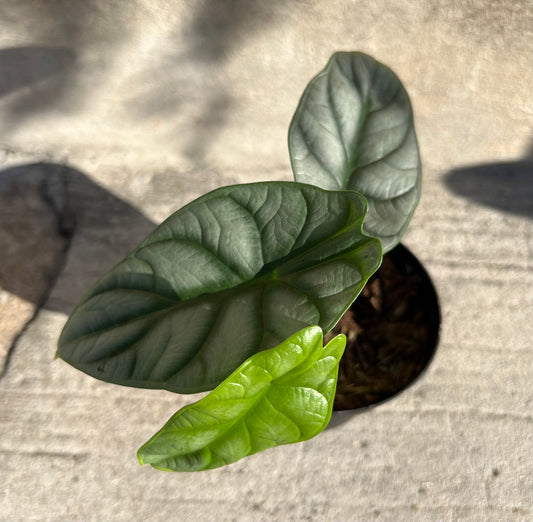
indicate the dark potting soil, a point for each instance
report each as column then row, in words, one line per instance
column 391, row 331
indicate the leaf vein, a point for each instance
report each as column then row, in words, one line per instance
column 390, row 153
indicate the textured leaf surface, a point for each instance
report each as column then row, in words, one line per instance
column 234, row 272
column 353, row 129
column 276, row 397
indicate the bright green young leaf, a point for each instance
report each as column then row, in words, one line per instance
column 234, row 272
column 276, row 397
column 353, row 129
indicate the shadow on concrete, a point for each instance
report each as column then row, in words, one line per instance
column 24, row 66
column 507, row 186
column 217, row 30
column 82, row 40
column 189, row 86
column 39, row 74
column 75, row 43
column 207, row 125
column 220, row 27
column 56, row 220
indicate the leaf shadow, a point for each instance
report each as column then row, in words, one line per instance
column 220, row 27
column 506, row 186
column 25, row 66
column 192, row 81
column 62, row 231
column 73, row 45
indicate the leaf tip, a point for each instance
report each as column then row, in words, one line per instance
column 336, row 346
column 341, row 338
column 140, row 457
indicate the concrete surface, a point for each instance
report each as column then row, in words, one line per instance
column 114, row 114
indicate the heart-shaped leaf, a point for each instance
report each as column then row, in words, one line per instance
column 276, row 397
column 353, row 129
column 234, row 272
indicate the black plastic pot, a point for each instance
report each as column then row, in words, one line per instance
column 393, row 331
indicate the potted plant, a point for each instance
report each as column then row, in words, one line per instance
column 234, row 291
column 353, row 130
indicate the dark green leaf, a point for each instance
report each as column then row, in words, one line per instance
column 232, row 273
column 353, row 129
column 276, row 397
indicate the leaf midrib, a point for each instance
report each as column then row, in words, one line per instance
column 352, row 158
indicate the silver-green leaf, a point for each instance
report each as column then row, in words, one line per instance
column 353, row 129
column 234, row 272
column 279, row 396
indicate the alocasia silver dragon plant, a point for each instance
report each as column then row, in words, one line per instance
column 234, row 290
